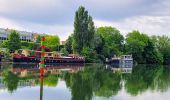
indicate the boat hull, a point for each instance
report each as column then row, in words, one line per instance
column 120, row 63
column 48, row 60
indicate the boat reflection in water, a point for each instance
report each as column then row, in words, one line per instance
column 123, row 68
column 25, row 69
column 92, row 82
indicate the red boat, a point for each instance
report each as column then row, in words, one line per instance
column 34, row 56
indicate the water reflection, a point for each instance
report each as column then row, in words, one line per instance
column 88, row 82
column 144, row 77
column 10, row 81
column 41, row 87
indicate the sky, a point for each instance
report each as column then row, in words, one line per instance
column 57, row 16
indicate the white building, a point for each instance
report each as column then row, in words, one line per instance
column 24, row 36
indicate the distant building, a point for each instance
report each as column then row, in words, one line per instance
column 62, row 42
column 24, row 36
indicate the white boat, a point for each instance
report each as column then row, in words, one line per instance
column 122, row 61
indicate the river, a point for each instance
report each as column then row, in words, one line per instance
column 84, row 82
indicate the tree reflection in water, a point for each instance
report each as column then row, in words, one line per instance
column 50, row 80
column 11, row 81
column 96, row 80
column 144, row 77
column 93, row 80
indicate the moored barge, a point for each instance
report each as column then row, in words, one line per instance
column 50, row 57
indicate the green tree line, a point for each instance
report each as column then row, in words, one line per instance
column 14, row 43
column 97, row 44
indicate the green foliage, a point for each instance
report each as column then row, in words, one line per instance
column 38, row 39
column 113, row 41
column 24, row 44
column 135, row 44
column 98, row 43
column 4, row 44
column 33, row 45
column 151, row 55
column 91, row 32
column 162, row 44
column 69, row 43
column 83, row 30
column 89, row 54
column 29, row 45
column 64, row 51
column 52, row 42
column 5, row 53
column 14, row 42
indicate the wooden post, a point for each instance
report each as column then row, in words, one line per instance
column 42, row 65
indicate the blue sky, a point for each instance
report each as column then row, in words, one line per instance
column 57, row 16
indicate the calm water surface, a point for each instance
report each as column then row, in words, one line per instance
column 84, row 82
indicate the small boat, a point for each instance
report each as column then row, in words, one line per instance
column 124, row 60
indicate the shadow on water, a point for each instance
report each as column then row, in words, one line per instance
column 89, row 81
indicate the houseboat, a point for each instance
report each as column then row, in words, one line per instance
column 34, row 56
column 124, row 60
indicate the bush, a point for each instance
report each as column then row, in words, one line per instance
column 29, row 45
column 89, row 54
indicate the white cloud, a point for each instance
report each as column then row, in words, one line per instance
column 151, row 25
column 6, row 23
column 63, row 31
column 56, row 16
column 9, row 6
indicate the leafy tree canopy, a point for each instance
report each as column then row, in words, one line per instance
column 52, row 41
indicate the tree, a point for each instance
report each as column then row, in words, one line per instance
column 69, row 44
column 162, row 44
column 64, row 51
column 113, row 40
column 29, row 45
column 83, row 30
column 89, row 54
column 151, row 55
column 4, row 44
column 14, row 42
column 33, row 45
column 91, row 32
column 135, row 44
column 52, row 42
column 98, row 43
column 38, row 39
